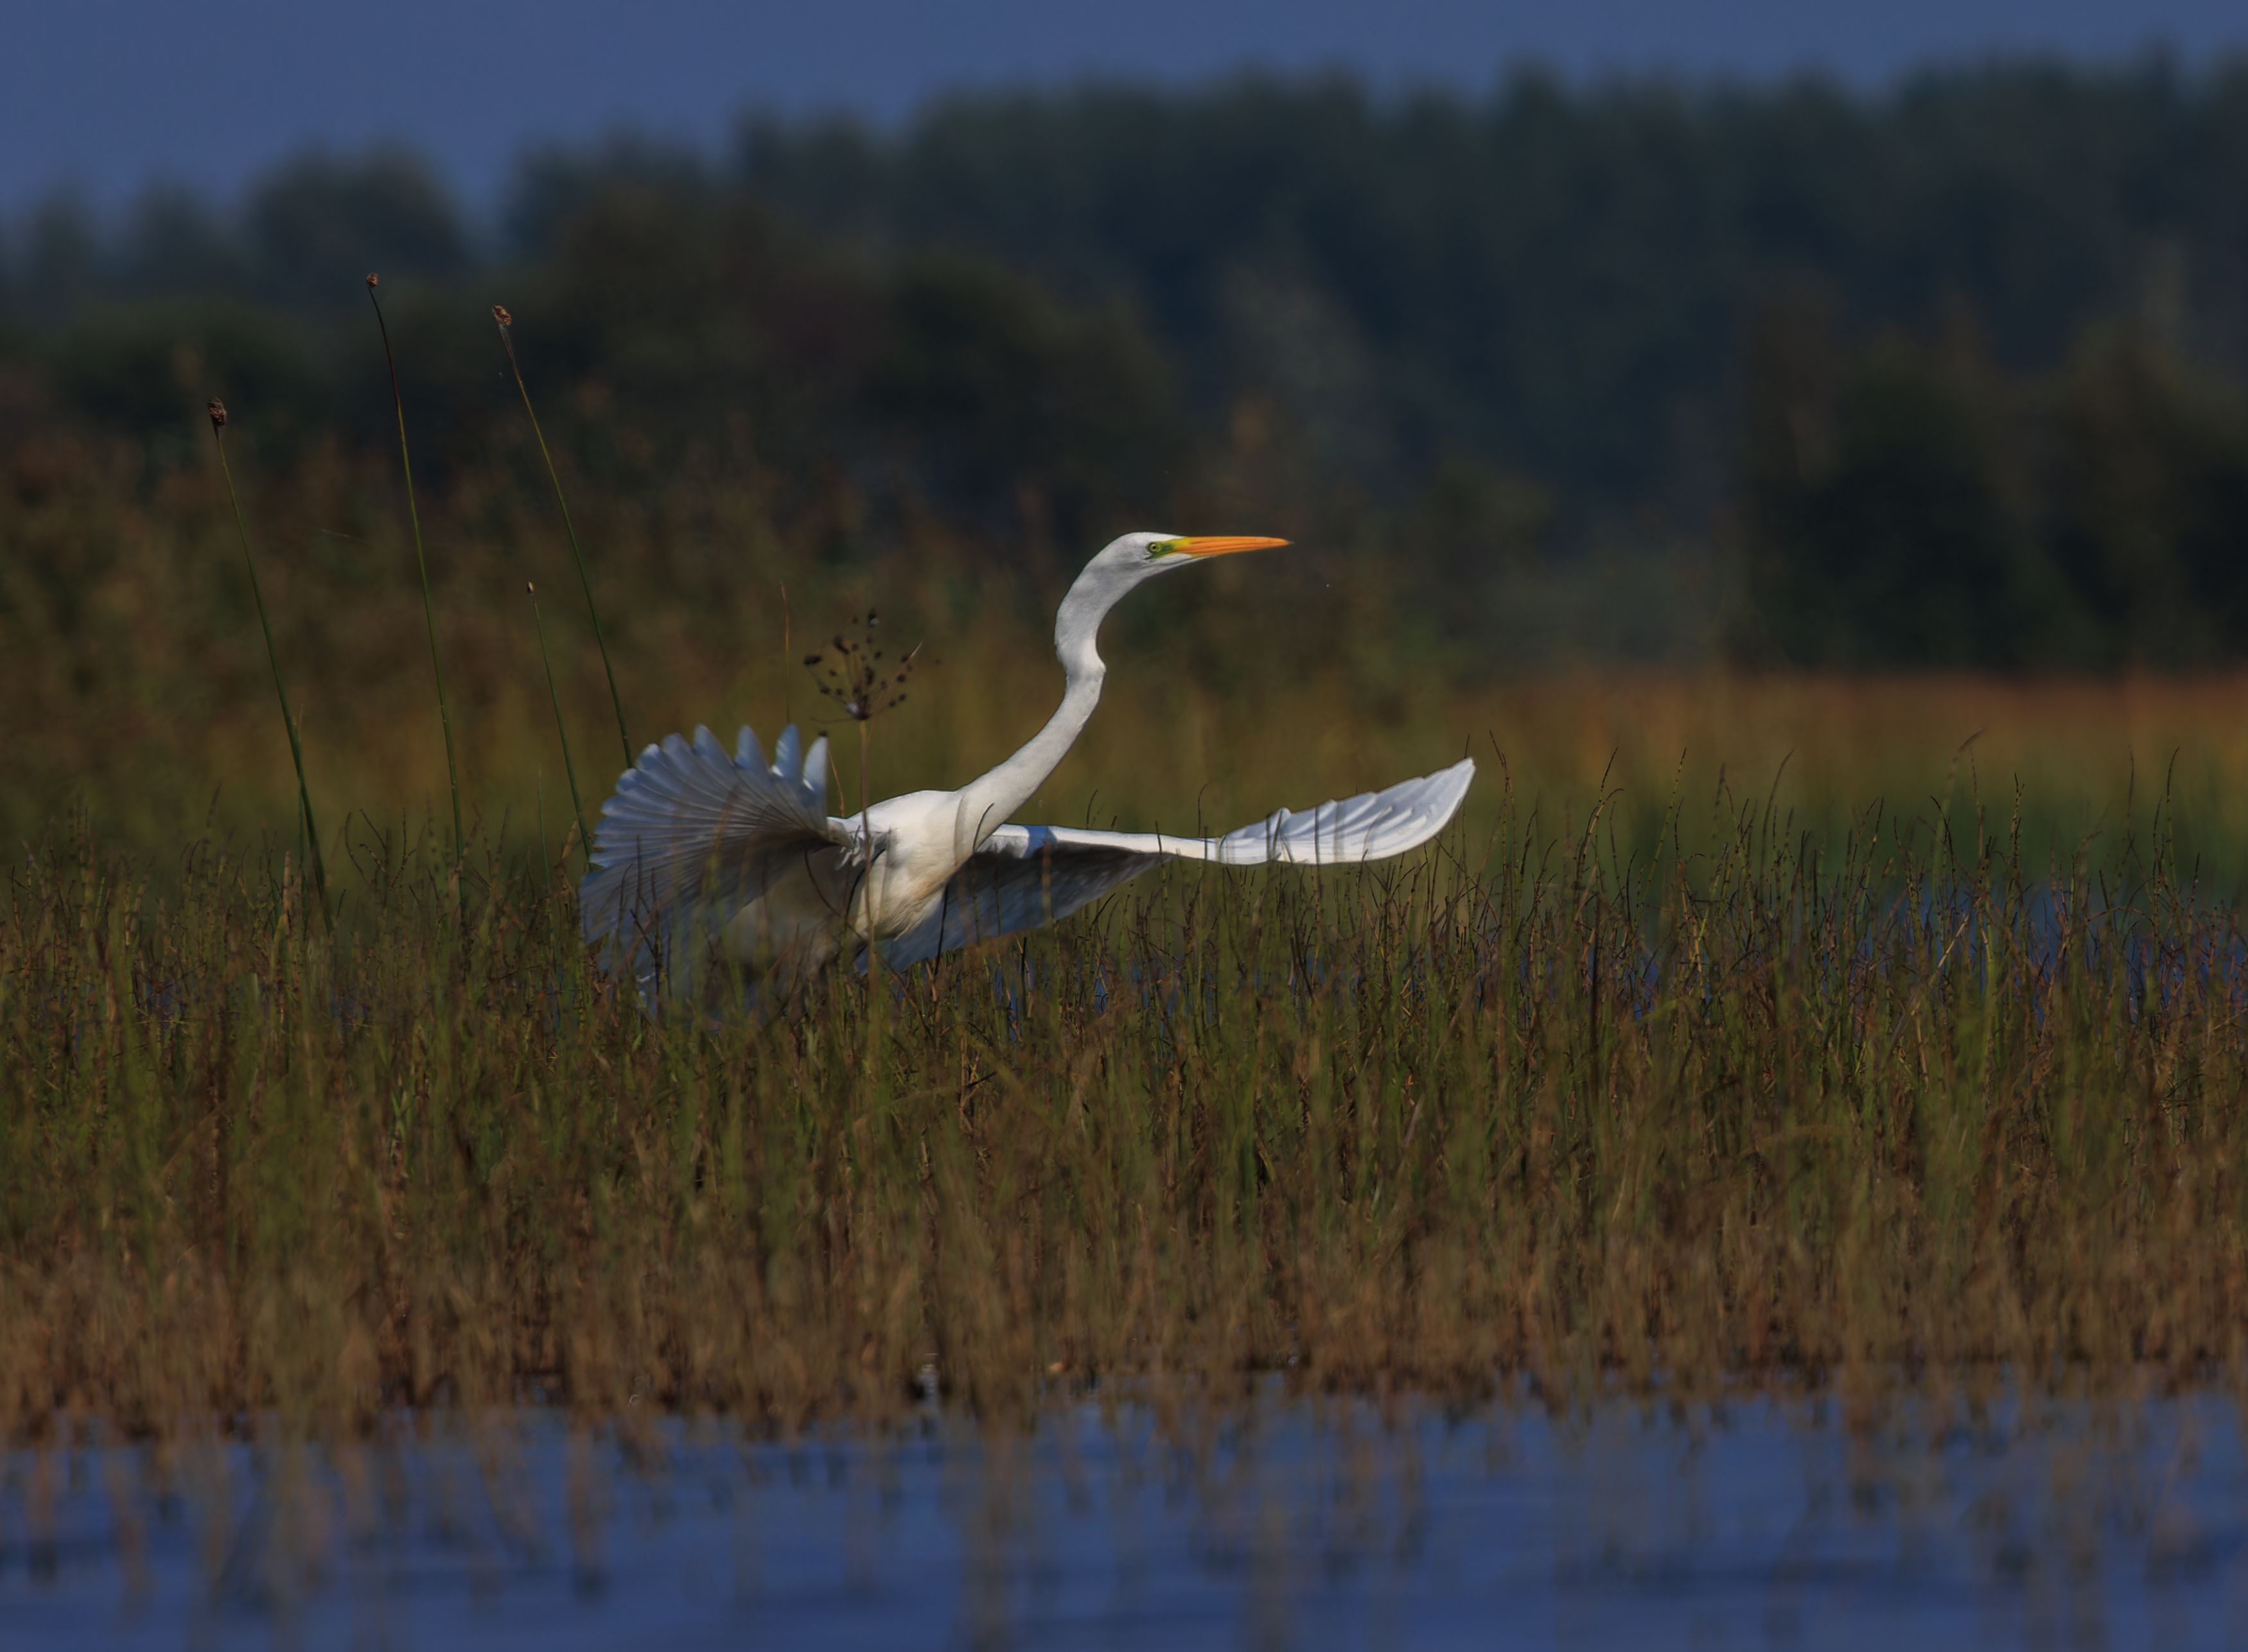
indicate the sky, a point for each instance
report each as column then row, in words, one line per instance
column 106, row 96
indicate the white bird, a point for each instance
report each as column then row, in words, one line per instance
column 710, row 867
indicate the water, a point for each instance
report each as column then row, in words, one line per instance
column 1287, row 1523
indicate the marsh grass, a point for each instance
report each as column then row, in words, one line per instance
column 1534, row 1105
column 1676, row 1066
column 132, row 660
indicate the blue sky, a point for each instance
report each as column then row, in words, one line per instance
column 109, row 94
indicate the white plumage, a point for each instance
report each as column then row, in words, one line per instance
column 713, row 868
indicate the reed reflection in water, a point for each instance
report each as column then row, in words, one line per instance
column 1274, row 1523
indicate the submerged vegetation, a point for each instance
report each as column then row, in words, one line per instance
column 1529, row 1105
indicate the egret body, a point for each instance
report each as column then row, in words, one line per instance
column 710, row 866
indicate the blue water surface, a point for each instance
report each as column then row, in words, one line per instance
column 1283, row 1522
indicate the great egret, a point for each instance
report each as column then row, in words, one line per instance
column 708, row 863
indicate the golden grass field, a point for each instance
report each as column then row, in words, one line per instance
column 130, row 660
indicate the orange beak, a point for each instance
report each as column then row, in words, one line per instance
column 1223, row 545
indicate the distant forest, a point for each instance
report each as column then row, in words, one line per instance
column 1952, row 375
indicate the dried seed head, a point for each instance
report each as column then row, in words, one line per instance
column 217, row 411
column 500, row 315
column 528, row 589
column 850, row 672
column 373, row 281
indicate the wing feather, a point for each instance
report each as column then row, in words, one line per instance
column 1373, row 826
column 694, row 834
column 1026, row 877
column 1019, row 880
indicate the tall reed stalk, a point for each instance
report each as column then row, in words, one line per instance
column 506, row 325
column 217, row 410
column 850, row 672
column 570, row 769
column 422, row 561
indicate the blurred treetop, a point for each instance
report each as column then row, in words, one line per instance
column 1876, row 359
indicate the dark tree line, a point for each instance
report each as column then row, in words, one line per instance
column 1947, row 375
column 1910, row 503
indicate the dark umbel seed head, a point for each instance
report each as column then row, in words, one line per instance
column 850, row 672
column 216, row 409
column 500, row 315
column 373, row 281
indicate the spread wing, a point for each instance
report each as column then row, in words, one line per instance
column 1021, row 878
column 1026, row 877
column 692, row 836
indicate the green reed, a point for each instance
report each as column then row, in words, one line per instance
column 1533, row 1105
column 561, row 728
column 422, row 565
column 505, row 323
column 217, row 411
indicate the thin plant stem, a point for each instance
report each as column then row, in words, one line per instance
column 577, row 806
column 866, row 791
column 853, row 677
column 505, row 322
column 421, row 561
column 273, row 658
column 874, row 1049
column 866, row 837
column 546, row 883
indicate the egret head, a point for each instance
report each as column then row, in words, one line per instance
column 1139, row 556
column 1124, row 564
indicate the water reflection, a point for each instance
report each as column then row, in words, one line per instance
column 1283, row 1522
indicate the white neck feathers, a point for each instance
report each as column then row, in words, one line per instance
column 988, row 803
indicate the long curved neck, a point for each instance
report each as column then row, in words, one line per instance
column 991, row 802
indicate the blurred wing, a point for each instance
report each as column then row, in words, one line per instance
column 1026, row 877
column 692, row 835
column 1021, row 879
